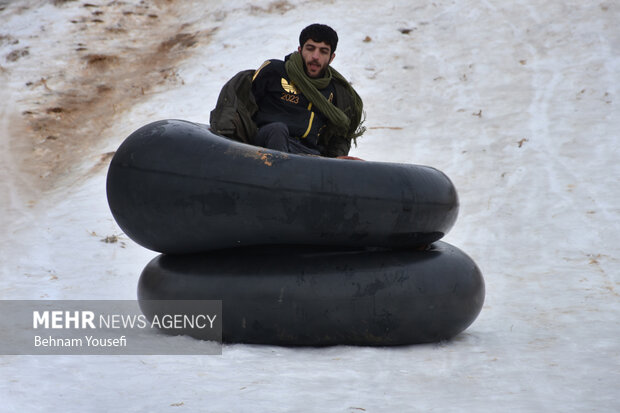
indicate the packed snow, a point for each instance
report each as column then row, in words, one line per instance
column 518, row 102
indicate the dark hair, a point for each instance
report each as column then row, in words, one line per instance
column 319, row 33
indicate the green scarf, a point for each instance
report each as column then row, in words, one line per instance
column 346, row 124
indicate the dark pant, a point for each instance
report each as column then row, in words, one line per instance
column 275, row 136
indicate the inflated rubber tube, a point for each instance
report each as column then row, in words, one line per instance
column 175, row 187
column 311, row 297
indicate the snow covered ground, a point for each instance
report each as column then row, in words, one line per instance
column 517, row 101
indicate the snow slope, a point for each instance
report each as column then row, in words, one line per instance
column 518, row 102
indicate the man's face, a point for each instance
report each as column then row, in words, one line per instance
column 317, row 56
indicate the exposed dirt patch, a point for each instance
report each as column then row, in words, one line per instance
column 100, row 61
column 278, row 6
column 17, row 54
column 8, row 39
column 123, row 55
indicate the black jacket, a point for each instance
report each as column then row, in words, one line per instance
column 279, row 101
column 237, row 114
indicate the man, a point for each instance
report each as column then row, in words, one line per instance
column 299, row 105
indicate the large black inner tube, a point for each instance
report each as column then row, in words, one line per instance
column 320, row 296
column 175, row 187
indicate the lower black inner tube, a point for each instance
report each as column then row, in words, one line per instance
column 315, row 296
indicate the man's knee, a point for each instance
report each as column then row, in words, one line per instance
column 273, row 136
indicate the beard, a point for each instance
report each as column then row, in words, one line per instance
column 319, row 74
